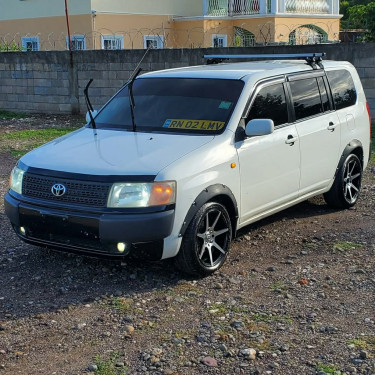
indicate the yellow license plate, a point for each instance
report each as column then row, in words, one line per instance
column 194, row 124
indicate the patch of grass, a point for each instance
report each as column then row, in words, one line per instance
column 20, row 142
column 328, row 369
column 120, row 303
column 6, row 115
column 346, row 246
column 359, row 343
column 108, row 366
column 40, row 135
column 277, row 285
column 218, row 308
column 364, row 342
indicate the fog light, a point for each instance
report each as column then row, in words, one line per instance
column 121, row 247
column 23, row 231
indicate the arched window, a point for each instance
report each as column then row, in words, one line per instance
column 243, row 37
column 308, row 34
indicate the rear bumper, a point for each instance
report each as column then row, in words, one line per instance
column 86, row 232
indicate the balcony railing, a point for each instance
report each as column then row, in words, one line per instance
column 231, row 8
column 307, row 7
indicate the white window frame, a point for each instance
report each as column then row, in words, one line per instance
column 76, row 38
column 34, row 40
column 224, row 38
column 153, row 38
column 117, row 41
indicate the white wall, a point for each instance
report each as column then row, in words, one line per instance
column 155, row 7
column 19, row 9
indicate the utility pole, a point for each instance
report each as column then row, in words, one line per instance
column 69, row 38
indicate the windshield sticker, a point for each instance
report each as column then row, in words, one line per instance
column 225, row 105
column 194, row 124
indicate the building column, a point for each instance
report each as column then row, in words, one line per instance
column 205, row 7
column 274, row 6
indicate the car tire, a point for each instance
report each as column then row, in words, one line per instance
column 206, row 242
column 345, row 190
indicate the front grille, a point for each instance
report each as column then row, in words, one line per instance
column 93, row 194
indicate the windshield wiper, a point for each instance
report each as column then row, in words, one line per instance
column 131, row 97
column 90, row 108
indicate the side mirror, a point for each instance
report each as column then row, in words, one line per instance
column 259, row 126
column 94, row 113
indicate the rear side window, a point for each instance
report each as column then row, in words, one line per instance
column 306, row 98
column 270, row 103
column 343, row 89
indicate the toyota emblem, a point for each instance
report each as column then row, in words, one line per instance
column 58, row 190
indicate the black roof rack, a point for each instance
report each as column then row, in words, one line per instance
column 313, row 59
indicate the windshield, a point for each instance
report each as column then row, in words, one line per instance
column 188, row 105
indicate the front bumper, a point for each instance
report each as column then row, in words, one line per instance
column 86, row 232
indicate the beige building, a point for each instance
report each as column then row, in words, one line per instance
column 126, row 24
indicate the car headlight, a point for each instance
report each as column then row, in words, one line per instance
column 15, row 180
column 137, row 194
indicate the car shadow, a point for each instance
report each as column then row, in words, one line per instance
column 35, row 280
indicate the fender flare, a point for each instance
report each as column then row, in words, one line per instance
column 350, row 147
column 223, row 193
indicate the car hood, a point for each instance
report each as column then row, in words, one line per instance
column 111, row 152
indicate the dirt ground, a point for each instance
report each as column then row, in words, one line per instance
column 296, row 296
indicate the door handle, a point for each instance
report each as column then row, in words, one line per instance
column 291, row 140
column 331, row 126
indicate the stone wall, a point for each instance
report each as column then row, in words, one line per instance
column 47, row 82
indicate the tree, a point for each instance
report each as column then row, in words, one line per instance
column 345, row 5
column 363, row 17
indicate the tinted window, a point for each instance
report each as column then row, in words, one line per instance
column 323, row 94
column 306, row 98
column 188, row 105
column 342, row 86
column 270, row 103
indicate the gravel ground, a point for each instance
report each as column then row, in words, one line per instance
column 296, row 296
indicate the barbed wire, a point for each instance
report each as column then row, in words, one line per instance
column 240, row 35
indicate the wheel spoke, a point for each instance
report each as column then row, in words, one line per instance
column 350, row 192
column 221, row 231
column 210, row 254
column 356, row 176
column 207, row 223
column 202, row 250
column 216, row 220
column 354, row 164
column 218, row 247
column 354, row 187
column 201, row 235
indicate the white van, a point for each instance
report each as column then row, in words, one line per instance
column 178, row 160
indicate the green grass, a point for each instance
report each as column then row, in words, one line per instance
column 20, row 142
column 328, row 369
column 346, row 246
column 6, row 115
column 359, row 343
column 108, row 366
column 364, row 343
column 277, row 285
column 219, row 308
column 120, row 303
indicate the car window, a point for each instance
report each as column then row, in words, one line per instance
column 306, row 98
column 188, row 105
column 343, row 89
column 270, row 103
column 323, row 94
